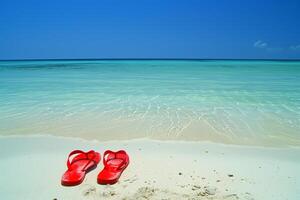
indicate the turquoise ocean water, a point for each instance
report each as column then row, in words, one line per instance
column 240, row 102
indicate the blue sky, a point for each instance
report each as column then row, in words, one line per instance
column 150, row 29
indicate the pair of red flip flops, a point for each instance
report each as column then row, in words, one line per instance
column 80, row 163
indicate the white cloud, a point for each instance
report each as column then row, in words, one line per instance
column 266, row 47
column 296, row 47
column 260, row 44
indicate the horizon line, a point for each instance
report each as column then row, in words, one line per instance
column 120, row 59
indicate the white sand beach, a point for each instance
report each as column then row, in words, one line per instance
column 31, row 168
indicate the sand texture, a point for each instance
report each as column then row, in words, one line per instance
column 31, row 168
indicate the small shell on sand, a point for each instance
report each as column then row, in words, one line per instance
column 210, row 190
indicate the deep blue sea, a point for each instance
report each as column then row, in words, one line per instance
column 239, row 102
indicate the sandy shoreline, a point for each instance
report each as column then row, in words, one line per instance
column 31, row 168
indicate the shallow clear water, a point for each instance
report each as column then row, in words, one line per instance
column 241, row 102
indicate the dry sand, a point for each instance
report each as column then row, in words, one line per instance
column 31, row 168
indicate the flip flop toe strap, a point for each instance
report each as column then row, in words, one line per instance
column 87, row 156
column 110, row 155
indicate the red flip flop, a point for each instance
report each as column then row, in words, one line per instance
column 114, row 165
column 78, row 166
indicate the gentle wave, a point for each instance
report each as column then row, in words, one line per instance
column 240, row 102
